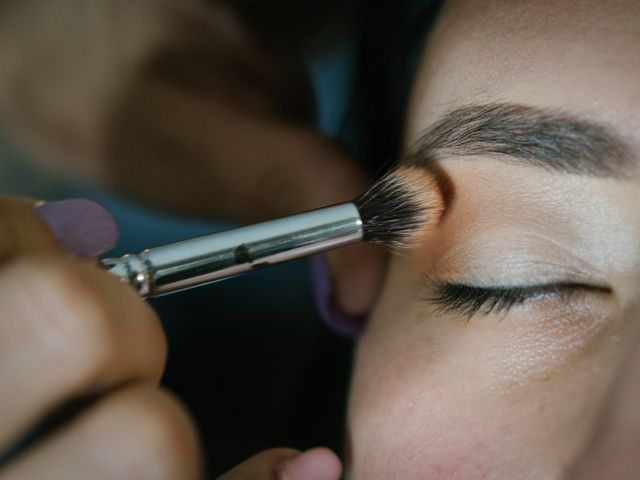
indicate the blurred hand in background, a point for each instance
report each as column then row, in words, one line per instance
column 180, row 104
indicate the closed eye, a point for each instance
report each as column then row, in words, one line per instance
column 469, row 300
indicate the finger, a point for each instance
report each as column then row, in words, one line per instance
column 287, row 464
column 356, row 274
column 68, row 329
column 263, row 465
column 327, row 286
column 81, row 227
column 137, row 433
column 23, row 230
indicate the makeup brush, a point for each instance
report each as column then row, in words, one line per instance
column 395, row 213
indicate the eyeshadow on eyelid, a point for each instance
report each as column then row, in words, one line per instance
column 507, row 257
column 569, row 212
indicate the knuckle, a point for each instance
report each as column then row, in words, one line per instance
column 159, row 439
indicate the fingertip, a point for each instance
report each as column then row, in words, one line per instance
column 330, row 313
column 357, row 274
column 345, row 285
column 315, row 464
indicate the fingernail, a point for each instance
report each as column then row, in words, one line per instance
column 332, row 315
column 83, row 227
column 315, row 464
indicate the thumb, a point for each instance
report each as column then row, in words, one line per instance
column 288, row 464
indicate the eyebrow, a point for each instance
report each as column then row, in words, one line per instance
column 552, row 140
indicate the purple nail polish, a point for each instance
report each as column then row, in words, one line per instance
column 338, row 321
column 83, row 227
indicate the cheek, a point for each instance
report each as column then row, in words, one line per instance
column 435, row 430
column 412, row 434
column 550, row 342
column 436, row 422
column 435, row 398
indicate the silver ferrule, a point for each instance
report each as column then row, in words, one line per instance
column 197, row 261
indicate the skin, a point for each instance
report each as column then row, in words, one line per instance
column 68, row 330
column 517, row 394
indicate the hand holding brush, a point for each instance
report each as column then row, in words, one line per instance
column 83, row 354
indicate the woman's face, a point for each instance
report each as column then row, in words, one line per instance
column 492, row 346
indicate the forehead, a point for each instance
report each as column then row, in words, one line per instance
column 578, row 56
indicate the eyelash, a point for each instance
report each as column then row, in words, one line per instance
column 468, row 300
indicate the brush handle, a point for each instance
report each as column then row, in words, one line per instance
column 198, row 261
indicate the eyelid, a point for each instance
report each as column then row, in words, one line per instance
column 470, row 300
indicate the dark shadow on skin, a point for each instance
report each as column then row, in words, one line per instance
column 46, row 427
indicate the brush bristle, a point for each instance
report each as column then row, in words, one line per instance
column 398, row 209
